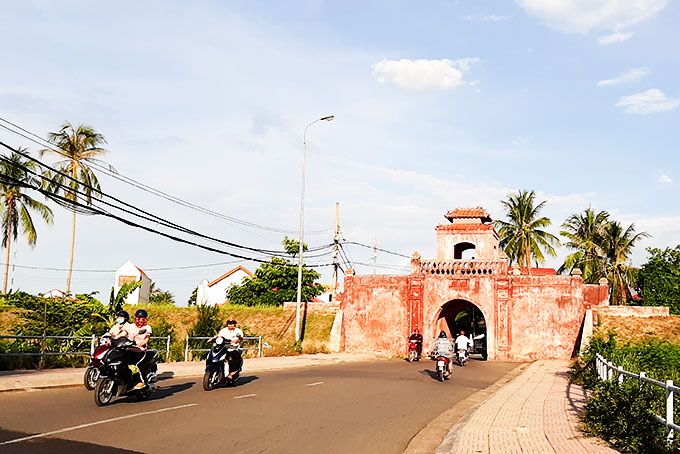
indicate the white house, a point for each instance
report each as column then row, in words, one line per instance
column 129, row 272
column 215, row 292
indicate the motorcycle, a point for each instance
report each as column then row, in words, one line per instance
column 413, row 351
column 463, row 357
column 216, row 365
column 443, row 370
column 92, row 370
column 118, row 372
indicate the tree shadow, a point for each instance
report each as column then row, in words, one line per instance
column 49, row 445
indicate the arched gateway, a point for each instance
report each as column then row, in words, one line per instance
column 524, row 316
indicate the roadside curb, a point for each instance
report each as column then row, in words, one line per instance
column 438, row 436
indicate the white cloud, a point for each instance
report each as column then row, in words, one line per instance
column 586, row 15
column 493, row 18
column 632, row 75
column 617, row 37
column 664, row 179
column 648, row 102
column 421, row 75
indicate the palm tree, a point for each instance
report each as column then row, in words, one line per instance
column 584, row 234
column 15, row 207
column 521, row 236
column 76, row 148
column 617, row 245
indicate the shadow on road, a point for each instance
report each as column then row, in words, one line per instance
column 53, row 445
column 166, row 375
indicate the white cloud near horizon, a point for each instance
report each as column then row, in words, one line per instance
column 648, row 102
column 664, row 179
column 581, row 17
column 422, row 75
column 630, row 76
column 617, row 37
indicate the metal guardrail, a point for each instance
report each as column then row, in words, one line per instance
column 188, row 350
column 606, row 370
column 41, row 343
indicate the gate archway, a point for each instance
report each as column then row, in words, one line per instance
column 462, row 315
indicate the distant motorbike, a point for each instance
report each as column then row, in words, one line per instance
column 92, row 370
column 413, row 351
column 118, row 372
column 442, row 367
column 462, row 356
column 216, row 365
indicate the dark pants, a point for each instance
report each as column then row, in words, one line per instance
column 235, row 361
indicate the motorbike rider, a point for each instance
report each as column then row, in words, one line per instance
column 141, row 338
column 463, row 342
column 122, row 327
column 235, row 336
column 418, row 339
column 443, row 347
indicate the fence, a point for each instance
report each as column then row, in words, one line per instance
column 188, row 349
column 606, row 370
column 61, row 345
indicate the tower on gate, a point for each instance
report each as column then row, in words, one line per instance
column 470, row 286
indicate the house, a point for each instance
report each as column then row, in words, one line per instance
column 215, row 292
column 58, row 294
column 127, row 273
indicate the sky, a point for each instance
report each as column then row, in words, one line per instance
column 437, row 105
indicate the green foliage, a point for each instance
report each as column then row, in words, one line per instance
column 117, row 300
column 192, row 298
column 292, row 246
column 658, row 281
column 210, row 321
column 158, row 297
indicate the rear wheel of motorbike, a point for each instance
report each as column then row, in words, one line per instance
column 442, row 375
column 103, row 392
column 143, row 394
column 210, row 380
column 411, row 356
column 91, row 377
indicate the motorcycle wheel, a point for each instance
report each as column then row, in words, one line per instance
column 143, row 394
column 91, row 377
column 441, row 374
column 210, row 380
column 411, row 356
column 103, row 392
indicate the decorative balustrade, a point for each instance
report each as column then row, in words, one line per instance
column 459, row 268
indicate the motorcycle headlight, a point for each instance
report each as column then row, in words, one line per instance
column 219, row 341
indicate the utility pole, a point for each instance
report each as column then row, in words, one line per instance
column 336, row 239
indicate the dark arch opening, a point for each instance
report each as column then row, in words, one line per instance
column 462, row 315
column 461, row 248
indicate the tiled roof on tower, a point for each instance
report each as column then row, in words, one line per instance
column 469, row 213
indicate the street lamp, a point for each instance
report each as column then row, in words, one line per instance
column 302, row 228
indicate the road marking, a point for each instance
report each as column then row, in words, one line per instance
column 315, row 383
column 244, row 396
column 95, row 423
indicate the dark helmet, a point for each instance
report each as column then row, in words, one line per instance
column 123, row 314
column 142, row 313
column 442, row 334
column 231, row 321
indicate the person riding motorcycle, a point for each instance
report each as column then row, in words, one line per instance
column 418, row 339
column 143, row 334
column 122, row 327
column 443, row 347
column 235, row 336
column 463, row 343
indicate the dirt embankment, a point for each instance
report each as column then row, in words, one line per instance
column 638, row 329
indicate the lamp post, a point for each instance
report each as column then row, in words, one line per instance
column 302, row 228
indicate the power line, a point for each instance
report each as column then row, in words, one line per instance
column 378, row 249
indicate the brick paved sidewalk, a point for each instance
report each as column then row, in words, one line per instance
column 534, row 413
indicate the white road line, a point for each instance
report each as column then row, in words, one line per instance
column 89, row 424
column 315, row 383
column 244, row 396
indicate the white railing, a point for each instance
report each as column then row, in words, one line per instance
column 40, row 342
column 188, row 350
column 606, row 370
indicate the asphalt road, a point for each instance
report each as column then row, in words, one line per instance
column 374, row 407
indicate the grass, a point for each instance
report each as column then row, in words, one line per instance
column 640, row 329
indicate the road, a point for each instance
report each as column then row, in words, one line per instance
column 374, row 407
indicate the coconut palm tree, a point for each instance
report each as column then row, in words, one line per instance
column 617, row 245
column 76, row 147
column 16, row 205
column 521, row 236
column 584, row 232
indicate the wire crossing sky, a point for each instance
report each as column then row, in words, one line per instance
column 438, row 105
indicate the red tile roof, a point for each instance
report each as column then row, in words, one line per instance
column 463, row 213
column 229, row 273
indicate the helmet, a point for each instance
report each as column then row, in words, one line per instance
column 123, row 314
column 442, row 334
column 416, row 331
column 462, row 333
column 142, row 313
column 231, row 321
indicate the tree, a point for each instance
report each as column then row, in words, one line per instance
column 292, row 246
column 521, row 236
column 76, row 147
column 584, row 233
column 658, row 281
column 192, row 298
column 16, row 205
column 617, row 245
column 158, row 297
column 116, row 300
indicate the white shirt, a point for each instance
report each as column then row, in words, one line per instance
column 234, row 335
column 462, row 342
column 442, row 346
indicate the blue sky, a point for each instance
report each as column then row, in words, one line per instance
column 437, row 105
